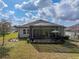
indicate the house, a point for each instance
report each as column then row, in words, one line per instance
column 72, row 31
column 6, row 25
column 14, row 29
column 39, row 29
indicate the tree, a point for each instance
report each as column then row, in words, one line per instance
column 4, row 28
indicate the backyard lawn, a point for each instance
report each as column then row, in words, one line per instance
column 23, row 50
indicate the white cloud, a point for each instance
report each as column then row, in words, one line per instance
column 29, row 15
column 43, row 3
column 21, row 21
column 41, row 7
column 7, row 15
column 67, row 10
column 64, row 10
column 34, row 5
column 11, row 12
column 17, row 6
column 2, row 5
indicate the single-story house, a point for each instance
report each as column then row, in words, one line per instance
column 39, row 29
column 72, row 31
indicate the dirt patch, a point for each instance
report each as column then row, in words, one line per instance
column 13, row 40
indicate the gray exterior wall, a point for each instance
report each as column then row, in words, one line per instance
column 21, row 35
column 72, row 34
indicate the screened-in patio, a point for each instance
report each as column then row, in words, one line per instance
column 41, row 32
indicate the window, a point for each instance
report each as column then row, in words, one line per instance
column 27, row 31
column 24, row 31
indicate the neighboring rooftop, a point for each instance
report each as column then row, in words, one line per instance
column 73, row 27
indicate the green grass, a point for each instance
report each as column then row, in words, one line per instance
column 24, row 50
column 9, row 36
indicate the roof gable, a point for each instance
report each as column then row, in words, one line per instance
column 40, row 23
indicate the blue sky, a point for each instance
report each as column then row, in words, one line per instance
column 63, row 12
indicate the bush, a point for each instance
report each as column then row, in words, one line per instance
column 66, row 37
column 28, row 41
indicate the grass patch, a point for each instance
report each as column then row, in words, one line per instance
column 22, row 50
column 4, row 52
column 56, row 48
column 9, row 36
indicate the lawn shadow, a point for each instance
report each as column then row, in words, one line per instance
column 4, row 52
column 5, row 34
column 57, row 48
column 77, row 40
column 23, row 39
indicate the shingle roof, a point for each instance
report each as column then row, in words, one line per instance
column 40, row 23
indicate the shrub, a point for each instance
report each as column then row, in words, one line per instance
column 66, row 37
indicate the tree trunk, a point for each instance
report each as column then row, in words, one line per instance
column 3, row 41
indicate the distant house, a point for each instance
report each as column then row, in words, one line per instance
column 72, row 31
column 14, row 29
column 39, row 29
column 7, row 25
